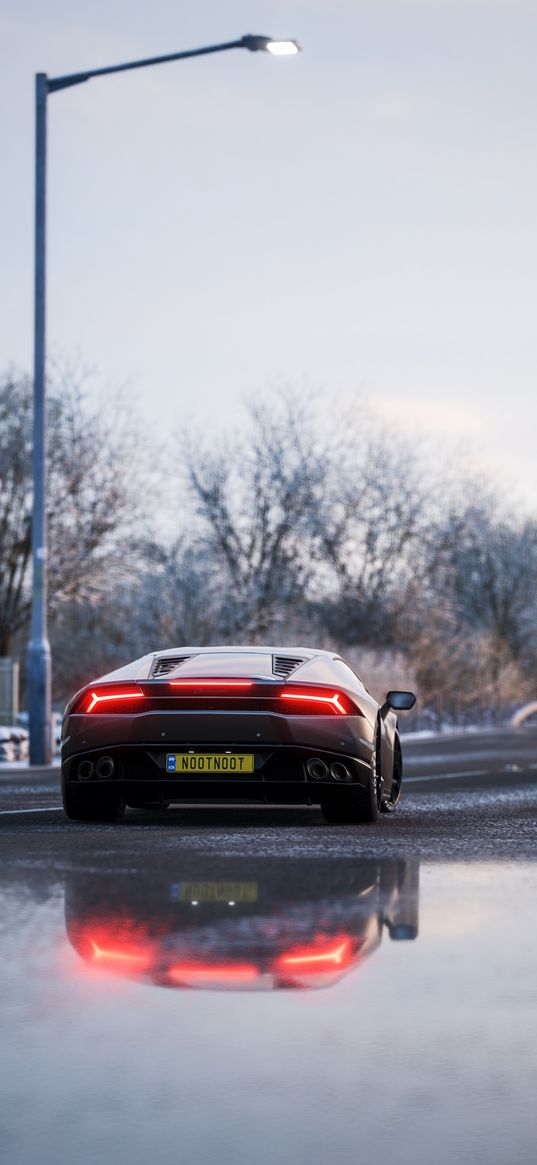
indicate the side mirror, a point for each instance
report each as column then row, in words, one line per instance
column 400, row 701
column 401, row 932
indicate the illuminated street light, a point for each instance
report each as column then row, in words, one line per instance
column 283, row 48
column 39, row 668
column 265, row 44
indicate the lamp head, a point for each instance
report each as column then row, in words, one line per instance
column 266, row 44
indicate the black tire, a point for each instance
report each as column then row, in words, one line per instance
column 390, row 805
column 153, row 806
column 102, row 806
column 356, row 806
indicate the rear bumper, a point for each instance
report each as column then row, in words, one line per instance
column 280, row 775
column 215, row 729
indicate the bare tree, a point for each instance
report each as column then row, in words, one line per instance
column 177, row 596
column 15, row 502
column 494, row 576
column 257, row 498
column 170, row 600
column 93, row 454
column 470, row 624
column 299, row 525
column 372, row 522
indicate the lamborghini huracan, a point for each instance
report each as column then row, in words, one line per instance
column 287, row 725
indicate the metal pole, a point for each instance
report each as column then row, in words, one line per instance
column 39, row 666
column 39, row 649
column 247, row 42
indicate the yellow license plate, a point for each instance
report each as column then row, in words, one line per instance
column 217, row 892
column 231, row 764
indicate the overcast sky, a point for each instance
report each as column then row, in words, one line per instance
column 361, row 217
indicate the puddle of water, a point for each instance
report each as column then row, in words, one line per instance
column 270, row 1010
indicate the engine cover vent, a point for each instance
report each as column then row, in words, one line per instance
column 163, row 667
column 283, row 665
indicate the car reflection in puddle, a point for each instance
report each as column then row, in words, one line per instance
column 245, row 925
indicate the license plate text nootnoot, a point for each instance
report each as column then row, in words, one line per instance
column 208, row 762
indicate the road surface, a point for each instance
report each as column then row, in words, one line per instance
column 239, row 984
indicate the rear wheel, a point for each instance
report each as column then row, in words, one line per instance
column 355, row 806
column 395, row 791
column 102, row 806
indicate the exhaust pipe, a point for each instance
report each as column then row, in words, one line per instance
column 316, row 768
column 85, row 770
column 105, row 768
column 340, row 772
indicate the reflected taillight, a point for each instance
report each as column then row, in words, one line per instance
column 124, row 949
column 204, row 974
column 117, row 955
column 338, row 954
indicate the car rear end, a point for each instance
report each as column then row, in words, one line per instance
column 242, row 733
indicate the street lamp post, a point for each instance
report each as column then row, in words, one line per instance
column 39, row 665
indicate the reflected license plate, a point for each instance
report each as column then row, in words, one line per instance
column 231, row 763
column 215, row 891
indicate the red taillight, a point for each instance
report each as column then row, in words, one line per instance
column 319, row 700
column 106, row 697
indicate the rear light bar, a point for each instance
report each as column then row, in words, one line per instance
column 220, row 684
column 214, row 694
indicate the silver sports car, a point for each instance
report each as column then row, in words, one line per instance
column 281, row 725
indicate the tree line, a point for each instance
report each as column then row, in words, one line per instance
column 299, row 525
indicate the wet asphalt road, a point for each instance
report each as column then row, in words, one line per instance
column 246, row 983
column 470, row 795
